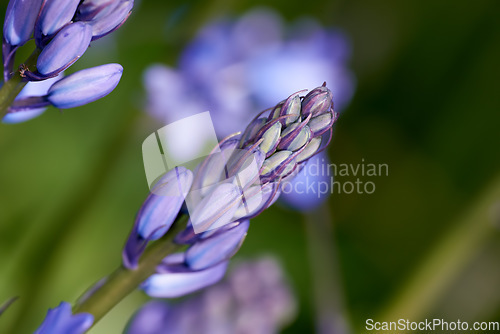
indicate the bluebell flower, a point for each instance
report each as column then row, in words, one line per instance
column 255, row 298
column 63, row 30
column 227, row 190
column 233, row 68
column 60, row 320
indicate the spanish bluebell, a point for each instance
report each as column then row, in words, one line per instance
column 230, row 201
column 233, row 67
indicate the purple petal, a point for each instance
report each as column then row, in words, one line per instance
column 55, row 14
column 215, row 209
column 85, row 86
column 104, row 17
column 211, row 251
column 157, row 214
column 60, row 320
column 172, row 285
column 159, row 211
column 20, row 20
column 65, row 48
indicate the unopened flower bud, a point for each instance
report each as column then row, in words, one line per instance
column 309, row 150
column 270, row 138
column 19, row 20
column 55, row 14
column 177, row 283
column 85, row 86
column 104, row 17
column 66, row 47
column 294, row 137
column 318, row 101
column 322, row 123
column 208, row 252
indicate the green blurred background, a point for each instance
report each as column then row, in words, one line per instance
column 425, row 244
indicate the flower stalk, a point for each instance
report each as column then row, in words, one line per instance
column 123, row 281
column 12, row 87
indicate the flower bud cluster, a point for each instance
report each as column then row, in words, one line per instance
column 226, row 190
column 63, row 30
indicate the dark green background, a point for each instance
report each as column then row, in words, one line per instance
column 427, row 104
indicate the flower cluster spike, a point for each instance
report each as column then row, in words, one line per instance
column 63, row 30
column 229, row 188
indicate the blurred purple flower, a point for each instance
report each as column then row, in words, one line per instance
column 60, row 320
column 254, row 299
column 236, row 68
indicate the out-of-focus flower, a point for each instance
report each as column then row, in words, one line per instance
column 63, row 30
column 255, row 299
column 234, row 68
column 227, row 190
column 60, row 320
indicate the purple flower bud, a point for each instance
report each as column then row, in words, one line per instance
column 60, row 320
column 252, row 130
column 270, row 138
column 66, row 47
column 104, row 17
column 19, row 20
column 85, row 86
column 157, row 213
column 217, row 208
column 309, row 150
column 214, row 168
column 162, row 206
column 275, row 162
column 256, row 200
column 220, row 247
column 322, row 123
column 176, row 284
column 275, row 113
column 294, row 137
column 55, row 14
column 318, row 101
column 291, row 108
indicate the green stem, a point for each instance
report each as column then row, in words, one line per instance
column 123, row 281
column 447, row 260
column 14, row 85
column 331, row 316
